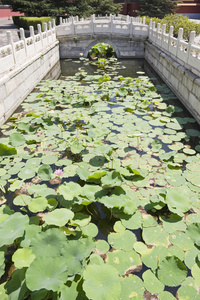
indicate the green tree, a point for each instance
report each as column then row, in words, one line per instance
column 39, row 7
column 82, row 8
column 157, row 8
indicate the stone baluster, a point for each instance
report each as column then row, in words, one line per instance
column 53, row 23
column 111, row 24
column 39, row 29
column 46, row 33
column 61, row 20
column 180, row 38
column 190, row 43
column 32, row 35
column 22, row 37
column 92, row 19
column 73, row 30
column 50, row 30
column 10, row 42
column 163, row 35
column 171, row 30
column 76, row 19
column 144, row 21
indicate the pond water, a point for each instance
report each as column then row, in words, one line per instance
column 100, row 188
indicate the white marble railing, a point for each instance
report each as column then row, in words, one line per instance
column 113, row 25
column 187, row 52
column 16, row 52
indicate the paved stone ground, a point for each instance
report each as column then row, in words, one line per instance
column 7, row 25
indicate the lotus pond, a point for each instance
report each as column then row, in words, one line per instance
column 100, row 191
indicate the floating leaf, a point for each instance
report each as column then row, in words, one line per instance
column 12, row 228
column 103, row 278
column 193, row 231
column 45, row 172
column 131, row 287
column 59, row 217
column 172, row 271
column 23, row 258
column 6, row 150
column 155, row 236
column 151, row 283
column 123, row 240
column 38, row 204
column 17, row 139
column 46, row 273
column 177, row 202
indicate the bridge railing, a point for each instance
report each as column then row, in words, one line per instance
column 16, row 52
column 188, row 53
column 114, row 25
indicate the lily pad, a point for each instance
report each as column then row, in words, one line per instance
column 59, row 217
column 172, row 271
column 103, row 278
column 46, row 273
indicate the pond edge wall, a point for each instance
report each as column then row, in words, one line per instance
column 184, row 83
column 17, row 84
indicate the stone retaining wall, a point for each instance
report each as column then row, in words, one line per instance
column 16, row 85
column 183, row 82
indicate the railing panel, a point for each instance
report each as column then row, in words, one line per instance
column 6, row 58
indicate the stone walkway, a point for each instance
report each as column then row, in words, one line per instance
column 7, row 25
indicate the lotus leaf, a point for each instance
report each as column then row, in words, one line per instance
column 181, row 240
column 123, row 240
column 48, row 243
column 59, row 217
column 166, row 296
column 46, row 273
column 125, row 263
column 17, row 139
column 16, row 287
column 151, row 283
column 172, row 271
column 177, row 202
column 140, row 247
column 45, row 172
column 193, row 231
column 187, row 293
column 68, row 291
column 131, row 287
column 118, row 227
column 155, row 236
column 90, row 230
column 152, row 257
column 6, row 150
column 133, row 222
column 102, row 246
column 23, row 258
column 101, row 278
column 12, row 228
column 74, row 253
column 38, row 204
column 191, row 256
column 30, row 232
column 69, row 190
column 22, row 200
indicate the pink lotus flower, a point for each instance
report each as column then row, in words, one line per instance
column 79, row 69
column 58, row 172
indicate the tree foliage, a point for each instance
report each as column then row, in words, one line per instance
column 82, row 8
column 157, row 8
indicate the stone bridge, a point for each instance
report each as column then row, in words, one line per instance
column 125, row 34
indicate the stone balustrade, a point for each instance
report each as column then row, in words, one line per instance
column 186, row 53
column 17, row 52
column 109, row 25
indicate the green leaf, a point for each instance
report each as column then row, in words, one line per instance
column 101, row 278
column 172, row 271
column 12, row 228
column 16, row 287
column 125, row 263
column 177, row 202
column 74, row 253
column 132, row 287
column 23, row 258
column 151, row 283
column 6, row 150
column 155, row 236
column 123, row 240
column 17, row 139
column 38, row 204
column 193, row 231
column 59, row 217
column 48, row 243
column 46, row 273
column 45, row 172
column 187, row 293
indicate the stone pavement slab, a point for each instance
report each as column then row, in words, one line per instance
column 7, row 25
